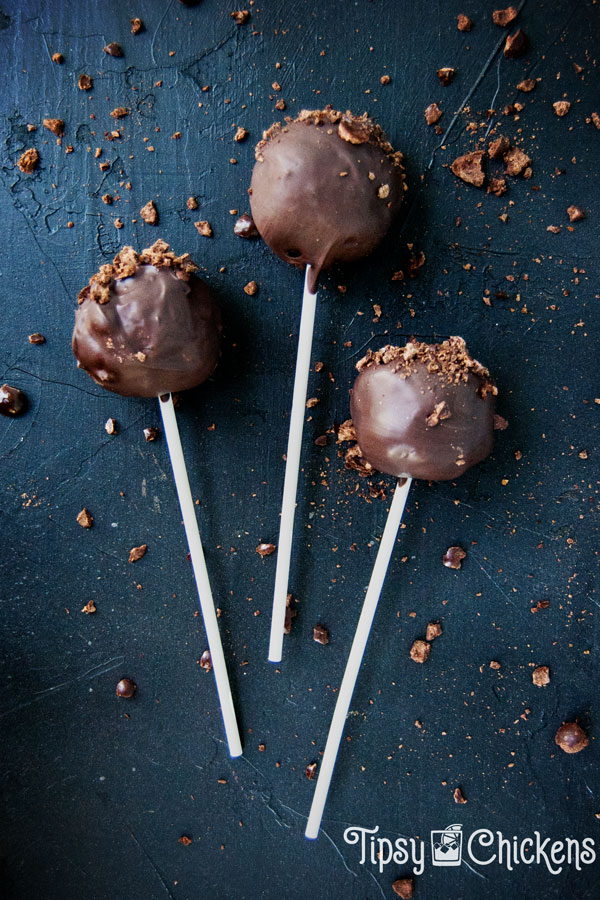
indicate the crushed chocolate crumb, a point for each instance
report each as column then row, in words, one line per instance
column 346, row 432
column 404, row 888
column 516, row 161
column 280, row 104
column 420, row 651
column 500, row 423
column 89, row 609
column 290, row 614
column 85, row 83
column 241, row 134
column 149, row 213
column 240, row 16
column 111, row 426
column 433, row 114
column 204, row 228
column 596, row 119
column 453, row 557
column 526, row 85
column 85, row 518
column 206, row 661
column 497, row 187
column 575, row 213
column 561, row 107
column 494, row 664
column 504, row 17
column 311, row 770
column 150, row 433
column 251, row 288
column 37, row 338
column 440, row 412
column 266, row 549
column 541, row 676
column 469, row 168
column 446, row 75
column 553, row 229
column 320, row 634
column 516, row 45
column 191, row 203
column 498, row 147
column 458, row 795
column 185, row 840
column 463, row 22
column 120, row 112
column 28, row 161
column 385, row 79
column 434, row 630
column 137, row 552
column 136, row 25
column 113, row 49
column 56, row 126
column 58, row 58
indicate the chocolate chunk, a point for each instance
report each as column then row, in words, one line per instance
column 561, row 107
column 113, row 49
column 459, row 797
column 37, row 338
column 13, row 401
column 516, row 161
column 434, row 630
column 85, row 83
column 185, row 839
column 240, row 16
column 245, row 227
column 251, row 288
column 191, row 203
column 137, row 552
column 504, row 17
column 85, row 518
column 150, row 433
column 311, row 770
column 206, row 661
column 126, row 688
column 575, row 213
column 136, row 26
column 119, row 113
column 28, row 161
column 516, row 45
column 498, row 147
column 433, row 114
column 453, row 557
column 526, row 85
column 385, row 79
column 463, row 22
column 571, row 738
column 290, row 614
column 266, row 549
column 553, row 229
column 320, row 634
column 149, row 213
column 404, row 888
column 204, row 228
column 56, row 126
column 446, row 75
column 541, row 676
column 469, row 168
column 420, row 651
column 354, row 129
column 111, row 427
column 89, row 609
column 241, row 134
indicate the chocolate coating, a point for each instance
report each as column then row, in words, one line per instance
column 393, row 406
column 157, row 333
column 321, row 199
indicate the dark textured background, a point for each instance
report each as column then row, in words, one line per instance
column 98, row 791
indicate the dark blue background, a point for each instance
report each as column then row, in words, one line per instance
column 98, row 791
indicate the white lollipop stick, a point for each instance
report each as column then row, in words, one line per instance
column 357, row 650
column 207, row 606
column 292, row 469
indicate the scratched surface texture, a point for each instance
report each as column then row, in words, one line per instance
column 98, row 791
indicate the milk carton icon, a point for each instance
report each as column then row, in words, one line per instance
column 446, row 846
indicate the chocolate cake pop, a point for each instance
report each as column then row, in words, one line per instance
column 424, row 410
column 146, row 325
column 325, row 188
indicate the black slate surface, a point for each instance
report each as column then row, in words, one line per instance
column 97, row 791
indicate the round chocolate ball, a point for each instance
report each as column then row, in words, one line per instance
column 13, row 401
column 147, row 325
column 325, row 188
column 126, row 688
column 571, row 737
column 424, row 410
